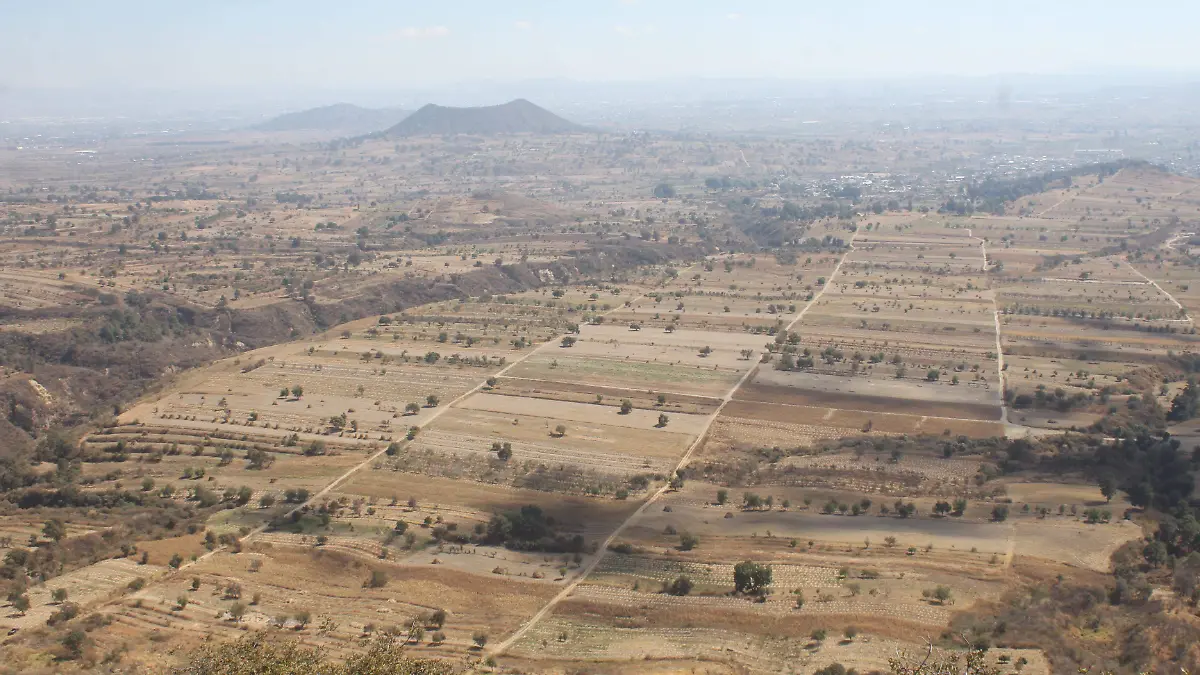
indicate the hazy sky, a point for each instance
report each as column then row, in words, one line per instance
column 408, row 43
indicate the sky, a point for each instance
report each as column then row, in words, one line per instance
column 408, row 44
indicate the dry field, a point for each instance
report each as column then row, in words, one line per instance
column 393, row 387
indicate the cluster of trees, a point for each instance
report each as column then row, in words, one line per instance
column 258, row 653
column 991, row 195
column 530, row 529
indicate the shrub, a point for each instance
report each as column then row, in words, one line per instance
column 680, row 586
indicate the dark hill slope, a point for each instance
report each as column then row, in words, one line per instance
column 343, row 117
column 515, row 117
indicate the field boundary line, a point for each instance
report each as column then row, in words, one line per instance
column 858, row 410
column 683, row 462
column 996, row 320
column 375, row 456
column 1154, row 283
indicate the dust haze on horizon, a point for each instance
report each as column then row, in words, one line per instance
column 129, row 57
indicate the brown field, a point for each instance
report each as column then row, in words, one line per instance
column 328, row 368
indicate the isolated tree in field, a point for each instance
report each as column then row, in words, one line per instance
column 297, row 392
column 412, row 408
column 626, row 407
column 680, row 586
column 722, row 497
column 688, row 541
column 54, row 529
column 480, row 639
column 438, row 618
column 942, row 508
column 59, row 595
column 74, row 642
column 662, row 420
column 850, row 633
column 751, row 578
column 568, row 341
column 259, row 459
column 21, row 604
column 560, row 431
column 999, row 513
column 432, row 401
column 283, row 393
column 505, row 452
column 1108, row 488
column 236, row 611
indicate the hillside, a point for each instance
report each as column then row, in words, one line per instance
column 344, row 117
column 514, row 117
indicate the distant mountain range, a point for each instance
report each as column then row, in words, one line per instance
column 515, row 117
column 341, row 117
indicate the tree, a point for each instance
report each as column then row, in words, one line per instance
column 21, row 604
column 560, row 431
column 688, row 541
column 54, row 529
column 664, row 191
column 662, row 420
column 1108, row 488
column 297, row 391
column 626, row 407
column 850, row 633
column 568, row 341
column 438, row 618
column 942, row 508
column 236, row 611
column 412, row 408
column 681, row 586
column 942, row 594
column 999, row 513
column 480, row 639
column 505, row 451
column 1186, row 405
column 59, row 595
column 378, row 579
column 74, row 642
column 722, row 497
column 432, row 401
column 751, row 578
column 259, row 459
